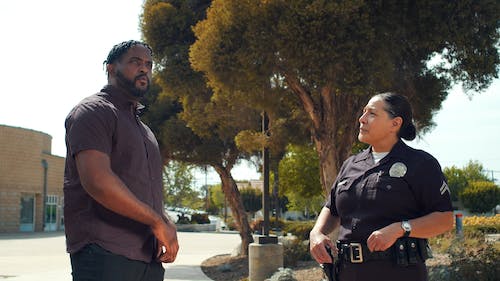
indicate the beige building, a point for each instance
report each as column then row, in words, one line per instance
column 31, row 182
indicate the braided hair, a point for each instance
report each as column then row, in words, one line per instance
column 119, row 49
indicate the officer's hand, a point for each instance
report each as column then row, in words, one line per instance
column 168, row 246
column 317, row 246
column 382, row 239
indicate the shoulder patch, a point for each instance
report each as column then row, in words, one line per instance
column 444, row 188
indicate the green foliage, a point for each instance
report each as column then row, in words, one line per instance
column 458, row 179
column 295, row 250
column 216, row 197
column 480, row 196
column 300, row 229
column 200, row 218
column 183, row 219
column 333, row 55
column 481, row 263
column 470, row 257
column 178, row 179
column 474, row 171
column 300, row 179
column 252, row 199
column 258, row 224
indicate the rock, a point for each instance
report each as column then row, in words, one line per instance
column 225, row 268
column 283, row 274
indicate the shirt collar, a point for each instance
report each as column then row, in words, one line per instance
column 397, row 151
column 121, row 100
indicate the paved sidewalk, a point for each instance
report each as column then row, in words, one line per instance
column 42, row 256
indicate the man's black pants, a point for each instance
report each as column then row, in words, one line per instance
column 93, row 263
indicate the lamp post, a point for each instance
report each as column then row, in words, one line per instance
column 44, row 195
column 265, row 256
column 265, row 171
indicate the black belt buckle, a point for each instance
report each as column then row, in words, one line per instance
column 356, row 252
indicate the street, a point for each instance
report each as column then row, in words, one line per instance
column 42, row 256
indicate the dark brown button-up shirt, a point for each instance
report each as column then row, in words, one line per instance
column 108, row 122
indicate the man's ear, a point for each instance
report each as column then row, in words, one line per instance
column 110, row 68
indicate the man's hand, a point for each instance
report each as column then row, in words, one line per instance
column 168, row 246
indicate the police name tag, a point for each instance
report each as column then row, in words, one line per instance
column 398, row 170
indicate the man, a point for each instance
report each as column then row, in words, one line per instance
column 114, row 220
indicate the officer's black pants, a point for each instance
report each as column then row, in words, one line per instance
column 93, row 263
column 382, row 270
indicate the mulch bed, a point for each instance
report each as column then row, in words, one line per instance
column 227, row 268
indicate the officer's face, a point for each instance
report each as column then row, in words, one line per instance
column 377, row 128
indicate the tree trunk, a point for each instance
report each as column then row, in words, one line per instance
column 334, row 118
column 336, row 134
column 232, row 194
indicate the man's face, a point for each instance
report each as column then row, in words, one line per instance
column 133, row 71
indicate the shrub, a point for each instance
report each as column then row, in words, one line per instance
column 182, row 219
column 480, row 225
column 295, row 250
column 283, row 274
column 480, row 196
column 199, row 218
column 300, row 229
column 479, row 264
column 258, row 224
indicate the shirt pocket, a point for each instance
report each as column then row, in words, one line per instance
column 395, row 190
column 346, row 198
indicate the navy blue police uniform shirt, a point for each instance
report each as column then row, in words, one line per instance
column 406, row 184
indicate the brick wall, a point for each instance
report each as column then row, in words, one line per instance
column 21, row 172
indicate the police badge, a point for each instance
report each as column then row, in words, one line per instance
column 398, row 170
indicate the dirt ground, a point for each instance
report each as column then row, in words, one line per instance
column 227, row 268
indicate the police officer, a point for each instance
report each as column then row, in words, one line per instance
column 386, row 200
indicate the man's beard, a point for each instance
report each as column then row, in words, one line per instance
column 130, row 84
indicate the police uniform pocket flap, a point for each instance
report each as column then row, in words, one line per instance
column 344, row 185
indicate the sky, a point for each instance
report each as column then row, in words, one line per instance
column 52, row 53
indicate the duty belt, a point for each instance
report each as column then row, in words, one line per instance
column 359, row 252
column 405, row 251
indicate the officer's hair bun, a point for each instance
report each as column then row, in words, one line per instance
column 409, row 132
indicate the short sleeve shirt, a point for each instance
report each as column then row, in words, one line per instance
column 108, row 122
column 405, row 184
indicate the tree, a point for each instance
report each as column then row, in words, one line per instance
column 300, row 181
column 474, row 171
column 333, row 55
column 480, row 196
column 178, row 179
column 216, row 197
column 252, row 200
column 203, row 131
column 458, row 179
